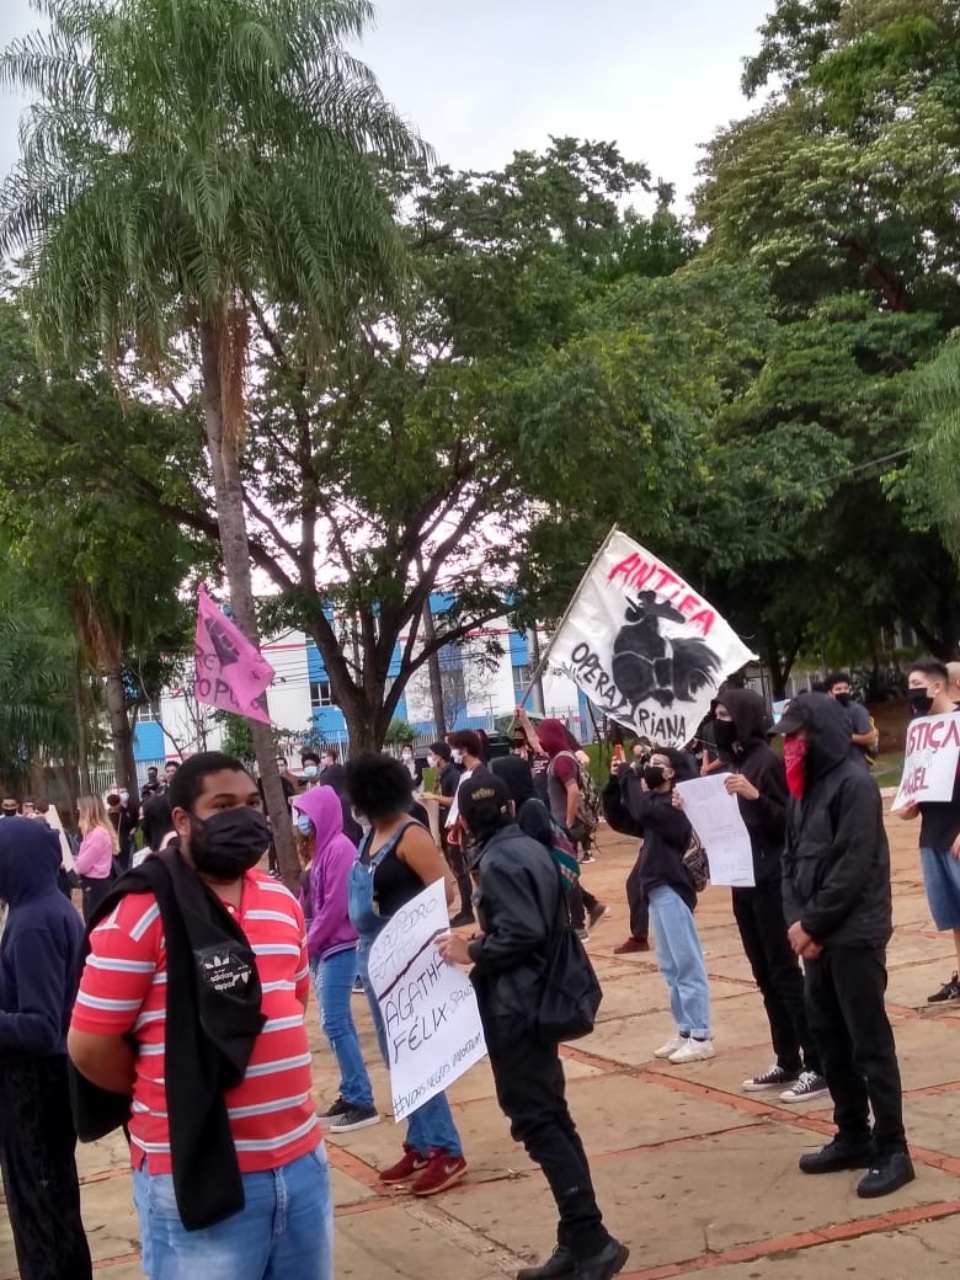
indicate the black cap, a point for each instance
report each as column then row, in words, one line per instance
column 791, row 721
column 484, row 802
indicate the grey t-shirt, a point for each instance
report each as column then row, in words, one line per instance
column 859, row 718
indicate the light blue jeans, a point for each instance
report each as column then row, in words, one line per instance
column 333, row 979
column 680, row 959
column 285, row 1230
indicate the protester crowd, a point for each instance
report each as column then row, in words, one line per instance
column 178, row 1012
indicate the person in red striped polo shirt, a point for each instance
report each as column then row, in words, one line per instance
column 118, row 1042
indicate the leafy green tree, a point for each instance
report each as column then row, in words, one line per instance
column 398, row 731
column 540, row 377
column 79, row 531
column 36, row 690
column 838, row 191
column 183, row 160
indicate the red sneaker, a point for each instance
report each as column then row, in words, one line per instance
column 442, row 1171
column 630, row 946
column 408, row 1166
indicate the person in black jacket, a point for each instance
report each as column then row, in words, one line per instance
column 38, row 982
column 837, row 901
column 760, row 785
column 521, row 906
column 649, row 808
column 616, row 812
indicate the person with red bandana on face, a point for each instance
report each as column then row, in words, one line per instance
column 756, row 778
column 837, row 902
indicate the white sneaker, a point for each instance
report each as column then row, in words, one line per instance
column 670, row 1047
column 693, row 1051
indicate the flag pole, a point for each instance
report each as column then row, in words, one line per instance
column 545, row 656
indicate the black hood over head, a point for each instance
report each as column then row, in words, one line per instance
column 749, row 714
column 518, row 776
column 827, row 729
column 29, row 859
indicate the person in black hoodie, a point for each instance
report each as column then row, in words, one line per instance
column 837, row 901
column 758, row 781
column 648, row 807
column 38, row 967
column 523, row 915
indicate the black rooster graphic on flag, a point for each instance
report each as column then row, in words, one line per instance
column 650, row 666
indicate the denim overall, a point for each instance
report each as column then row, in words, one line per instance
column 430, row 1127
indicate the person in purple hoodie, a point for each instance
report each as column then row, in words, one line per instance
column 332, row 948
column 39, row 956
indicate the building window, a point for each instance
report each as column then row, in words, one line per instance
column 148, row 712
column 521, row 678
column 320, row 694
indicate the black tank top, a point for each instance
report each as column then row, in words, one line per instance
column 394, row 883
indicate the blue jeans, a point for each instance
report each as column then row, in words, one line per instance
column 680, row 959
column 941, row 877
column 333, row 979
column 285, row 1230
column 430, row 1127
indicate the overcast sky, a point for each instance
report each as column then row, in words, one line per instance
column 482, row 78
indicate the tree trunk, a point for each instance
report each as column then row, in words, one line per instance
column 436, row 675
column 83, row 740
column 231, row 519
column 120, row 731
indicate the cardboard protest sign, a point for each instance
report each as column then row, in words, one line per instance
column 930, row 761
column 429, row 1007
column 231, row 673
column 643, row 646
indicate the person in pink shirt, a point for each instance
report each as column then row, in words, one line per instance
column 94, row 861
column 332, row 950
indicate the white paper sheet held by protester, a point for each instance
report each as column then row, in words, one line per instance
column 716, row 818
column 429, row 1007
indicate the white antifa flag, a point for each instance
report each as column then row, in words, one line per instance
column 644, row 646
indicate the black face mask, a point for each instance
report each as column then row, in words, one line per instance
column 724, row 734
column 920, row 702
column 653, row 776
column 843, row 699
column 229, row 843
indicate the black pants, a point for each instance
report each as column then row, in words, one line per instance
column 531, row 1091
column 580, row 901
column 776, row 970
column 37, row 1142
column 845, row 1007
column 638, row 904
column 94, row 892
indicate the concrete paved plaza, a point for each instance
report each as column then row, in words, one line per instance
column 692, row 1173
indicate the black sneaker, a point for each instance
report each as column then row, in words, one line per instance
column 461, row 919
column 338, row 1108
column 354, row 1118
column 776, row 1078
column 949, row 991
column 840, row 1153
column 888, row 1173
column 599, row 911
column 561, row 1265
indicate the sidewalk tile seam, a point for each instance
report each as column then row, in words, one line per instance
column 832, row 1234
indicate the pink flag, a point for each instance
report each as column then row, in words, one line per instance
column 232, row 675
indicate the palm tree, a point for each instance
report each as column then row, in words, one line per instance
column 188, row 165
